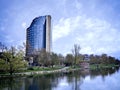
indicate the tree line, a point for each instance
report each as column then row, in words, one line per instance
column 45, row 59
column 13, row 59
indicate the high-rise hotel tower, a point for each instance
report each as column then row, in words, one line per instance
column 39, row 35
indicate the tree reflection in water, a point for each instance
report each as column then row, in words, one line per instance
column 71, row 81
column 10, row 83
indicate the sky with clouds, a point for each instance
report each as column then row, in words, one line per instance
column 93, row 24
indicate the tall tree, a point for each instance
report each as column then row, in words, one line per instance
column 76, row 51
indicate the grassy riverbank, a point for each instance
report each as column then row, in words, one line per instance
column 46, row 70
column 37, row 68
column 102, row 66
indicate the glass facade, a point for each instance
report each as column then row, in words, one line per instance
column 36, row 35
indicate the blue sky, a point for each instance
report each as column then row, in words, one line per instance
column 93, row 24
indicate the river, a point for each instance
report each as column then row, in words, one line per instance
column 100, row 79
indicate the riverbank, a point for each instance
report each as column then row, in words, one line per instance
column 49, row 70
column 31, row 73
column 103, row 66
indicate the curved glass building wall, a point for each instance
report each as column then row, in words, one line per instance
column 39, row 35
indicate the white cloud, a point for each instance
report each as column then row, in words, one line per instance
column 88, row 49
column 92, row 34
column 24, row 24
column 64, row 27
column 99, row 36
column 61, row 29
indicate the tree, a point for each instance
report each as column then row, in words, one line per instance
column 54, row 59
column 16, row 64
column 69, row 60
column 2, row 47
column 61, row 59
column 104, row 59
column 3, row 65
column 12, row 61
column 111, row 60
column 76, row 49
column 43, row 58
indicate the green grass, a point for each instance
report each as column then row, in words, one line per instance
column 43, row 68
column 74, row 67
column 100, row 66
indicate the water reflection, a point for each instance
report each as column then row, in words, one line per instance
column 10, row 83
column 98, row 79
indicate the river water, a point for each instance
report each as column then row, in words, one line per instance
column 104, row 79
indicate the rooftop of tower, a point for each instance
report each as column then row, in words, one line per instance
column 37, row 18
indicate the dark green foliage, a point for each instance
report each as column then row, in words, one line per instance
column 103, row 59
column 69, row 60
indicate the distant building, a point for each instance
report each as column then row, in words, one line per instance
column 86, row 57
column 38, row 35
